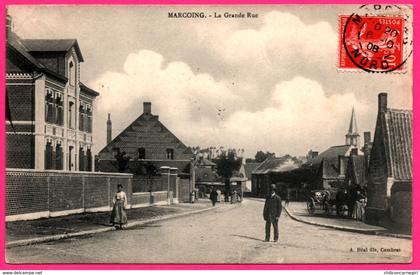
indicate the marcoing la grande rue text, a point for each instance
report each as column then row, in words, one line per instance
column 212, row 15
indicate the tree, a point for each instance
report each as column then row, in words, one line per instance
column 260, row 156
column 122, row 161
column 226, row 163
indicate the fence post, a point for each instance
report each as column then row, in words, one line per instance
column 49, row 194
column 83, row 193
column 166, row 171
column 174, row 175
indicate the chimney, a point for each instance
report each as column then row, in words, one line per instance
column 147, row 108
column 366, row 137
column 108, row 130
column 382, row 102
column 354, row 152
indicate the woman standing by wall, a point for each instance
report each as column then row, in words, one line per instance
column 119, row 214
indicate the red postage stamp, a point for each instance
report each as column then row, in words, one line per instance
column 371, row 43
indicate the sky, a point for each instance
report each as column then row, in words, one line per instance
column 269, row 83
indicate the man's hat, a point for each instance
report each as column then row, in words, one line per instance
column 273, row 187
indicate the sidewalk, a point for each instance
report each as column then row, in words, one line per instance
column 21, row 233
column 298, row 212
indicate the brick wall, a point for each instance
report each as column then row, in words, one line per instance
column 66, row 192
column 144, row 184
column 154, row 184
column 20, row 151
column 26, row 192
column 56, row 193
column 21, row 101
column 99, row 187
column 401, row 207
column 29, row 192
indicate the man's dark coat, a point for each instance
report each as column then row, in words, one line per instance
column 272, row 207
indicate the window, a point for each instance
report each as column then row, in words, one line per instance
column 70, row 159
column 60, row 110
column 81, row 117
column 85, row 117
column 89, row 160
column 58, row 157
column 71, row 114
column 169, row 153
column 88, row 118
column 72, row 74
column 142, row 153
column 48, row 156
column 49, row 107
column 81, row 159
column 47, row 95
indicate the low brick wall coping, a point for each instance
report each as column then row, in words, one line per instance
column 86, row 173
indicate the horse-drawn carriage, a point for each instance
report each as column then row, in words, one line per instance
column 327, row 201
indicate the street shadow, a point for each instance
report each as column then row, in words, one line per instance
column 322, row 215
column 144, row 226
column 247, row 237
column 107, row 224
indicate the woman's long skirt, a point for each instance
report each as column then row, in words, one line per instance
column 358, row 211
column 119, row 214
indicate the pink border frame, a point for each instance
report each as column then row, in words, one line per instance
column 415, row 265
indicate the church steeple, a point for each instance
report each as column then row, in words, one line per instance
column 352, row 137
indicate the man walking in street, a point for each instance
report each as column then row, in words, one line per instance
column 272, row 211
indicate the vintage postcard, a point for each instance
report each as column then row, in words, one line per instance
column 209, row 134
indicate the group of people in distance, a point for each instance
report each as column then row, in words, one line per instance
column 215, row 196
column 354, row 201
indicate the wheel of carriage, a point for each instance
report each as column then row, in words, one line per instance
column 310, row 205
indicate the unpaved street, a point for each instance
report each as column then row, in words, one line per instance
column 231, row 234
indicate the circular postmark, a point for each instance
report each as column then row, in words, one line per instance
column 377, row 38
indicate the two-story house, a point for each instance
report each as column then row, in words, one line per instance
column 50, row 110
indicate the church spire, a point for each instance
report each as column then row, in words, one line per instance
column 353, row 124
column 352, row 137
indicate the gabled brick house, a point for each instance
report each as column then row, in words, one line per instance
column 390, row 166
column 147, row 145
column 147, row 139
column 50, row 118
